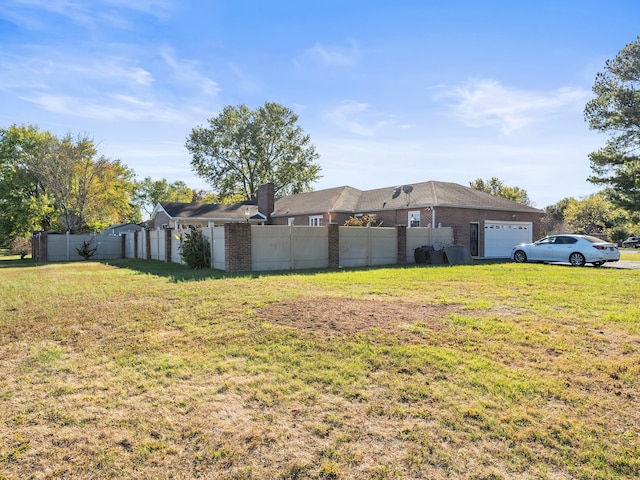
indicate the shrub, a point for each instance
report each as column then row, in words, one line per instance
column 618, row 234
column 363, row 221
column 20, row 246
column 195, row 250
column 86, row 249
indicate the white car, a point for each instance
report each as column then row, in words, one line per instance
column 575, row 249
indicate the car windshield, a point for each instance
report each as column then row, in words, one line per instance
column 594, row 239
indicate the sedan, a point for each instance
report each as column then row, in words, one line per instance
column 575, row 249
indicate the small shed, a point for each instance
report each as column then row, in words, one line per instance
column 122, row 229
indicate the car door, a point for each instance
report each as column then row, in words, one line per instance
column 542, row 250
column 563, row 246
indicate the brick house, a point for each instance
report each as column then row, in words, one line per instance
column 490, row 226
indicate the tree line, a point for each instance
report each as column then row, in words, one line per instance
column 64, row 184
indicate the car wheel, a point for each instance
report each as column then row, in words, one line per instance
column 576, row 259
column 520, row 257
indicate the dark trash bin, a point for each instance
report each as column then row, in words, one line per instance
column 420, row 255
column 423, row 254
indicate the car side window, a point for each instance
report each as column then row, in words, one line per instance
column 566, row 240
column 547, row 241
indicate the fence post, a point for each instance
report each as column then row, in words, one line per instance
column 167, row 244
column 40, row 249
column 147, row 243
column 334, row 245
column 401, row 256
column 237, row 247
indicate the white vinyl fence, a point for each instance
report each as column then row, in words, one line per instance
column 272, row 247
column 64, row 247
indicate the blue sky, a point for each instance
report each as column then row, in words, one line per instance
column 391, row 93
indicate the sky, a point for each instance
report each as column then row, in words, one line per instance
column 391, row 93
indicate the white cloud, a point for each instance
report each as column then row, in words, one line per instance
column 188, row 72
column 110, row 107
column 487, row 103
column 91, row 15
column 357, row 118
column 157, row 8
column 114, row 69
column 334, row 56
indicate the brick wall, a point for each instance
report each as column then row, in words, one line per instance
column 402, row 244
column 237, row 247
column 334, row 245
column 266, row 200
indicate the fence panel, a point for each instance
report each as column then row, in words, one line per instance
column 128, row 245
column 309, row 247
column 175, row 244
column 384, row 246
column 355, row 246
column 218, row 260
column 270, row 248
column 156, row 238
column 64, row 247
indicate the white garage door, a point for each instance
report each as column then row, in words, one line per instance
column 501, row 237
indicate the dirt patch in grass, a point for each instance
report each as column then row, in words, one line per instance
column 343, row 316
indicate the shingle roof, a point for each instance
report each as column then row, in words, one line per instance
column 347, row 199
column 209, row 211
column 350, row 200
column 437, row 194
column 338, row 199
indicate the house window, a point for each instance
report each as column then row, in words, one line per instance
column 315, row 221
column 413, row 218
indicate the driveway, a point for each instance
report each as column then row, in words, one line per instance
column 633, row 264
column 624, row 264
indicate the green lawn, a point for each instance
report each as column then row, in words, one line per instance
column 141, row 369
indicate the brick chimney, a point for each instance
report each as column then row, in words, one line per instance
column 266, row 200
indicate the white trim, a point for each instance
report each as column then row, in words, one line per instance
column 315, row 220
column 413, row 218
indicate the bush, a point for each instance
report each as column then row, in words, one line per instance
column 618, row 234
column 363, row 221
column 195, row 250
column 86, row 249
column 20, row 246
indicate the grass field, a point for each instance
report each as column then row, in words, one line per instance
column 146, row 370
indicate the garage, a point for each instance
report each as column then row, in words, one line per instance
column 500, row 237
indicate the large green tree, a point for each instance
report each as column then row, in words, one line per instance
column 24, row 204
column 89, row 191
column 149, row 192
column 243, row 148
column 593, row 214
column 553, row 219
column 499, row 189
column 616, row 110
column 47, row 182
